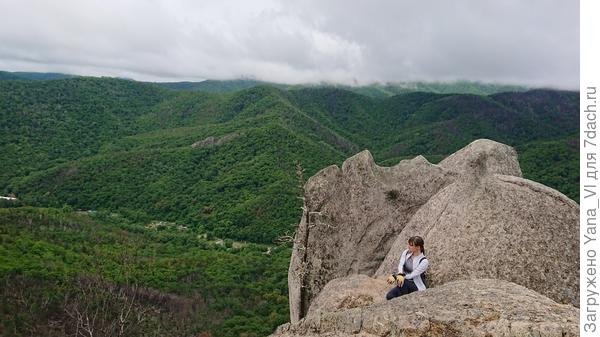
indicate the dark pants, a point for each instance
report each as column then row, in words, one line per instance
column 408, row 287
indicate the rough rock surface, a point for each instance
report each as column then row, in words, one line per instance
column 351, row 217
column 480, row 220
column 213, row 141
column 503, row 227
column 349, row 292
column 486, row 155
column 482, row 308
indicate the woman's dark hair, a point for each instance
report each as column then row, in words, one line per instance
column 417, row 241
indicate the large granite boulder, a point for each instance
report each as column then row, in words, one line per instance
column 484, row 154
column 486, row 225
column 484, row 307
column 355, row 291
column 353, row 215
column 351, row 218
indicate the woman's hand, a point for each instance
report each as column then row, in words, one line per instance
column 398, row 279
column 391, row 279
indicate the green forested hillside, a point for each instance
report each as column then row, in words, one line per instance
column 375, row 90
column 22, row 75
column 553, row 163
column 459, row 87
column 160, row 177
column 48, row 122
column 62, row 270
column 225, row 163
column 214, row 86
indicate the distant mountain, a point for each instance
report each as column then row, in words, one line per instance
column 375, row 90
column 166, row 180
column 458, row 87
column 213, row 85
column 19, row 75
column 227, row 162
column 4, row 75
column 413, row 123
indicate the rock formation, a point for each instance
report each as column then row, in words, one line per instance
column 483, row 154
column 479, row 219
column 213, row 141
column 497, row 226
column 351, row 218
column 482, row 307
column 349, row 292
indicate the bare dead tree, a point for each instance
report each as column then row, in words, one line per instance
column 289, row 238
column 101, row 308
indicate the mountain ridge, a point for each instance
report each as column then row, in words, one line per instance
column 174, row 177
column 89, row 121
column 375, row 89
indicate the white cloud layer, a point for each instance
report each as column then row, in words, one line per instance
column 533, row 42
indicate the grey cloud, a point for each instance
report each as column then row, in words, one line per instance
column 525, row 42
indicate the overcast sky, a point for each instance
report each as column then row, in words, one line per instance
column 530, row 42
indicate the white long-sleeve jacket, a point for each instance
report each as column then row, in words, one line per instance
column 417, row 270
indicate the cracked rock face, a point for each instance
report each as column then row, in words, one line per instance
column 484, row 307
column 502, row 227
column 352, row 216
column 492, row 157
column 355, row 291
column 479, row 218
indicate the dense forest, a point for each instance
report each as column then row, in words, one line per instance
column 63, row 271
column 375, row 90
column 170, row 199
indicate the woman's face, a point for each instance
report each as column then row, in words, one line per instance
column 413, row 249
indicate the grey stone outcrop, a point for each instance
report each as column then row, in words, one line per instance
column 502, row 227
column 355, row 291
column 486, row 229
column 214, row 141
column 483, row 155
column 351, row 217
column 469, row 308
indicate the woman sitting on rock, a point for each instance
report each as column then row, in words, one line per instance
column 411, row 270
